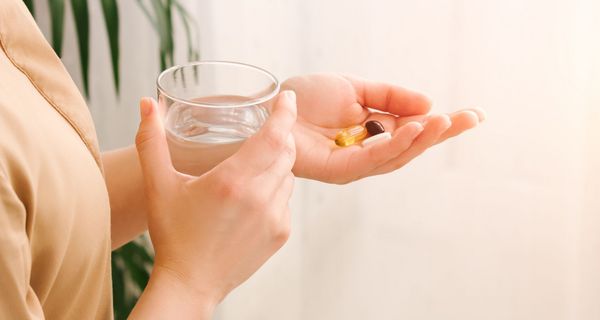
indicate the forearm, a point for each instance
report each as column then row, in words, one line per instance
column 125, row 185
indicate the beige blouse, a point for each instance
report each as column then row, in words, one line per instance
column 54, row 209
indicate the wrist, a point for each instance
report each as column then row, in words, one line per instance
column 170, row 295
column 195, row 277
column 195, row 289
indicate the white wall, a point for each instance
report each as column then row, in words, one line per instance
column 501, row 224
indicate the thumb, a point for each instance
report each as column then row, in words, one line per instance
column 153, row 152
column 260, row 151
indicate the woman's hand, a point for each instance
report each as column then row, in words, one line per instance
column 212, row 232
column 328, row 103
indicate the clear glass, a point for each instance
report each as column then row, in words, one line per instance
column 210, row 108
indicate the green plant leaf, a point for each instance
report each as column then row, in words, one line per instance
column 57, row 16
column 164, row 27
column 131, row 266
column 118, row 280
column 187, row 20
column 30, row 6
column 160, row 15
column 82, row 27
column 169, row 31
column 111, row 19
column 147, row 13
column 163, row 60
column 142, row 252
column 132, row 255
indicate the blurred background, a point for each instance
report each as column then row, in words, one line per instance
column 501, row 223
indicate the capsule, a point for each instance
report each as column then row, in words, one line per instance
column 374, row 127
column 376, row 138
column 350, row 135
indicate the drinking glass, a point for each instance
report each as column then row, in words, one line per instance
column 210, row 108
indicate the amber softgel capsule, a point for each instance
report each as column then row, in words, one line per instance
column 350, row 135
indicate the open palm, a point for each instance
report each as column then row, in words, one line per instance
column 328, row 103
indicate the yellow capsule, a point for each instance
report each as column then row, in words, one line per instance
column 350, row 135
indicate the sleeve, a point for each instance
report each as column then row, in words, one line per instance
column 17, row 298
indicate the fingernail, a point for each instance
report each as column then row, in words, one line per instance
column 418, row 128
column 481, row 114
column 424, row 120
column 475, row 116
column 291, row 95
column 428, row 100
column 447, row 120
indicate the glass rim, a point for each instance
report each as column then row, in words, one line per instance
column 249, row 103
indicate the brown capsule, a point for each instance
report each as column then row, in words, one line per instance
column 374, row 127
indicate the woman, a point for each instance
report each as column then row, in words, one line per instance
column 64, row 206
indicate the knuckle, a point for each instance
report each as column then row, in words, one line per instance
column 142, row 137
column 282, row 236
column 228, row 188
column 275, row 137
column 290, row 148
column 281, row 232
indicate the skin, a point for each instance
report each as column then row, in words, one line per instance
column 327, row 103
column 212, row 232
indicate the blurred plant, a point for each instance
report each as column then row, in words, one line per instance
column 160, row 13
column 131, row 264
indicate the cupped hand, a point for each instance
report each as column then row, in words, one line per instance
column 328, row 103
column 212, row 232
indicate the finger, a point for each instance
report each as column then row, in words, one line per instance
column 261, row 150
column 284, row 192
column 435, row 126
column 461, row 122
column 272, row 177
column 389, row 98
column 283, row 229
column 481, row 116
column 368, row 158
column 281, row 211
column 151, row 146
